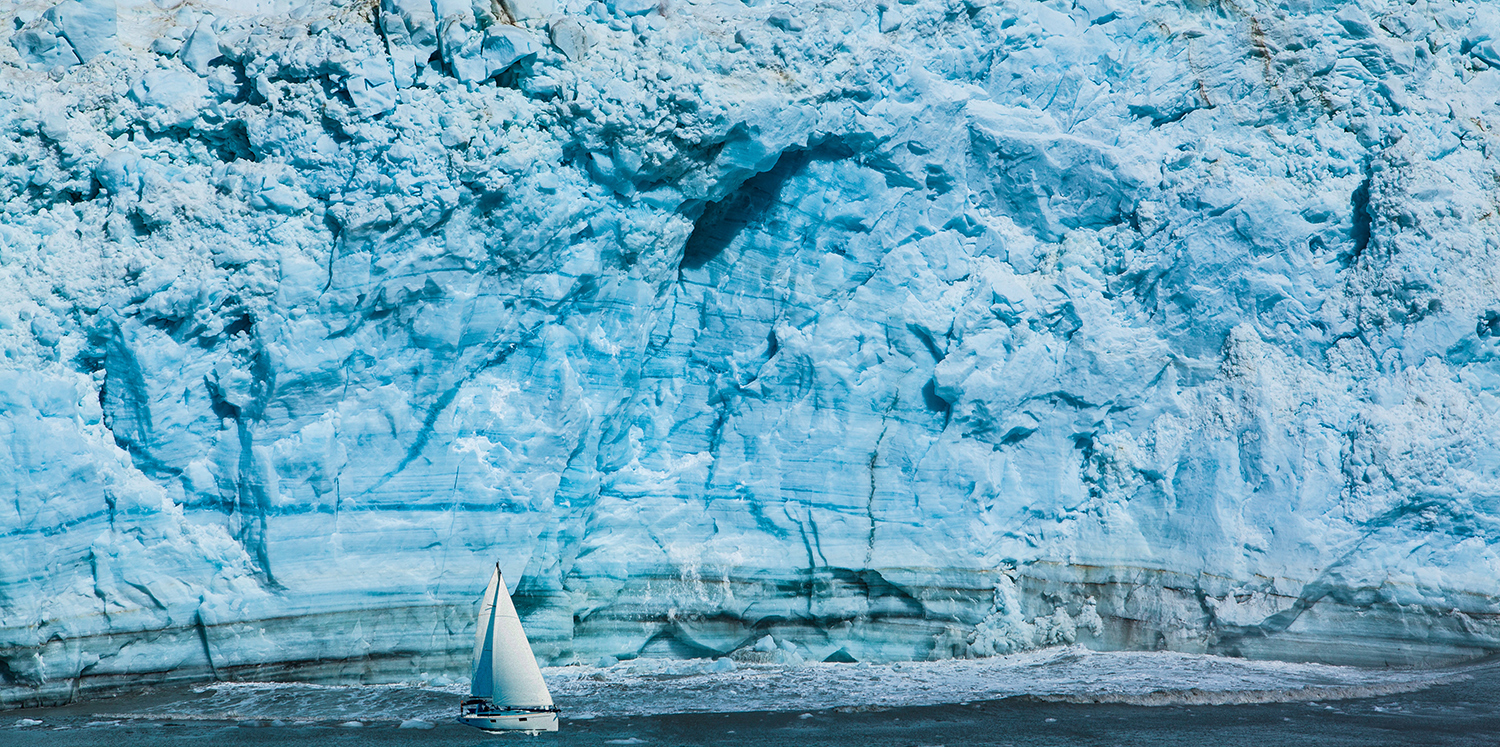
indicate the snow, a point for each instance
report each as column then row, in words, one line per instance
column 945, row 329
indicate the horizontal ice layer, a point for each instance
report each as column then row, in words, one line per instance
column 908, row 332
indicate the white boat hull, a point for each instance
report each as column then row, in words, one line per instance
column 502, row 720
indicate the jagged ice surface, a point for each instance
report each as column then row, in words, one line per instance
column 900, row 331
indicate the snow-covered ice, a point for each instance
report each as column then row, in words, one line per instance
column 935, row 329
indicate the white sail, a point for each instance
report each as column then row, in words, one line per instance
column 505, row 670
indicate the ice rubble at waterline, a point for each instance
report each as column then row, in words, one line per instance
column 899, row 331
column 652, row 687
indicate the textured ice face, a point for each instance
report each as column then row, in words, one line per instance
column 896, row 331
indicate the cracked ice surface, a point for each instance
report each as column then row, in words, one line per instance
column 950, row 328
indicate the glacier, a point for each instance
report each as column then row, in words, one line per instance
column 892, row 331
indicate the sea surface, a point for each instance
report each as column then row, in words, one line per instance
column 1067, row 696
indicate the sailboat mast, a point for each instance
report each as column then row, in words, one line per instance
column 482, row 680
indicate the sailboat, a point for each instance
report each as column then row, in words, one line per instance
column 506, row 692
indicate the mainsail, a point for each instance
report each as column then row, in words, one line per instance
column 505, row 670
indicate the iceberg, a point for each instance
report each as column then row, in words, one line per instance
column 943, row 329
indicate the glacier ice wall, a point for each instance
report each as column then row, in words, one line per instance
column 899, row 330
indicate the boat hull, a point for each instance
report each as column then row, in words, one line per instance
column 501, row 720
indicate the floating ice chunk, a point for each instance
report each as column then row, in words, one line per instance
column 766, row 645
column 28, row 722
column 416, row 723
column 721, row 666
column 788, row 655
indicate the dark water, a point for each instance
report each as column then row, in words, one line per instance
column 1463, row 712
column 1446, row 715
